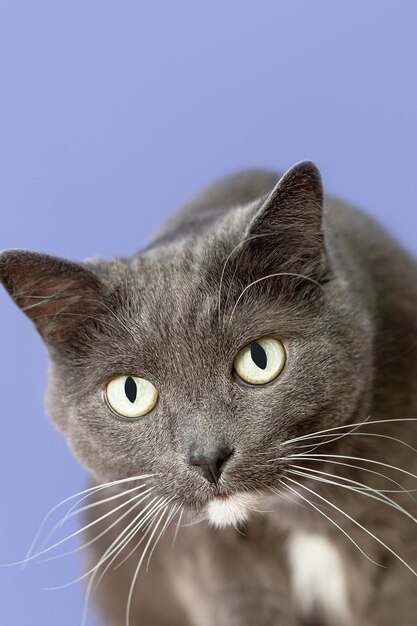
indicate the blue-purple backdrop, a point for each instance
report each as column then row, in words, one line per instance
column 114, row 112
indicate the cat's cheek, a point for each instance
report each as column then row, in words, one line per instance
column 57, row 409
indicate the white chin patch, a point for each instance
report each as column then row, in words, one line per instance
column 230, row 511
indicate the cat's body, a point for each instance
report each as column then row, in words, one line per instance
column 289, row 562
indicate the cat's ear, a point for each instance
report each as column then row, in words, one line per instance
column 59, row 296
column 286, row 231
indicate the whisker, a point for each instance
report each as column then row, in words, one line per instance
column 292, row 274
column 107, row 555
column 136, row 546
column 197, row 519
column 177, row 527
column 342, row 530
column 114, row 550
column 174, row 510
column 287, row 496
column 103, row 532
column 364, row 490
column 90, row 490
column 150, row 517
column 80, row 530
column 136, row 573
column 351, row 434
column 331, row 431
column 334, row 428
column 352, row 430
column 240, row 244
column 356, row 458
column 362, row 486
column 359, row 467
column 72, row 513
column 368, row 532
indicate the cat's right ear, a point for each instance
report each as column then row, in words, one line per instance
column 286, row 233
column 59, row 296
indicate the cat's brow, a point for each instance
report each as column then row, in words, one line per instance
column 239, row 245
column 275, row 275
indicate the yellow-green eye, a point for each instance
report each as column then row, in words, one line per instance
column 260, row 361
column 130, row 396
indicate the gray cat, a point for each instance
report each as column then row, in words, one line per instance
column 247, row 383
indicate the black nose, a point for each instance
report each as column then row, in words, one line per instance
column 209, row 463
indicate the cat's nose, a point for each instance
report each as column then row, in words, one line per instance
column 209, row 463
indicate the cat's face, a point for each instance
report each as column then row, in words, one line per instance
column 176, row 316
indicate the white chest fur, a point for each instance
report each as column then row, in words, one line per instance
column 318, row 578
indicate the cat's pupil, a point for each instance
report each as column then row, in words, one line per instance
column 258, row 355
column 131, row 390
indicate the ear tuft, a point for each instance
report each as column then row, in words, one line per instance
column 57, row 295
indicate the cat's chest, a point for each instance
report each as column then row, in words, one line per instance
column 318, row 579
column 301, row 573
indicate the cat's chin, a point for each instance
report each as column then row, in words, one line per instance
column 231, row 510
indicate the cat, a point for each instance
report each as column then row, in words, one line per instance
column 247, row 385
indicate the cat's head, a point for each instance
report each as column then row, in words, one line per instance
column 198, row 358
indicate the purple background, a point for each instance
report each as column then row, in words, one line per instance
column 112, row 113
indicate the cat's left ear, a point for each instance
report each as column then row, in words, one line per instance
column 286, row 231
column 61, row 298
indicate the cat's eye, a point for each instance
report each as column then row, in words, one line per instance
column 261, row 361
column 130, row 396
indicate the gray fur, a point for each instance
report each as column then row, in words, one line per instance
column 349, row 329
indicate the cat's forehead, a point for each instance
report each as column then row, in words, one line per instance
column 165, row 313
column 176, row 286
column 182, row 295
column 203, row 255
column 178, row 270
